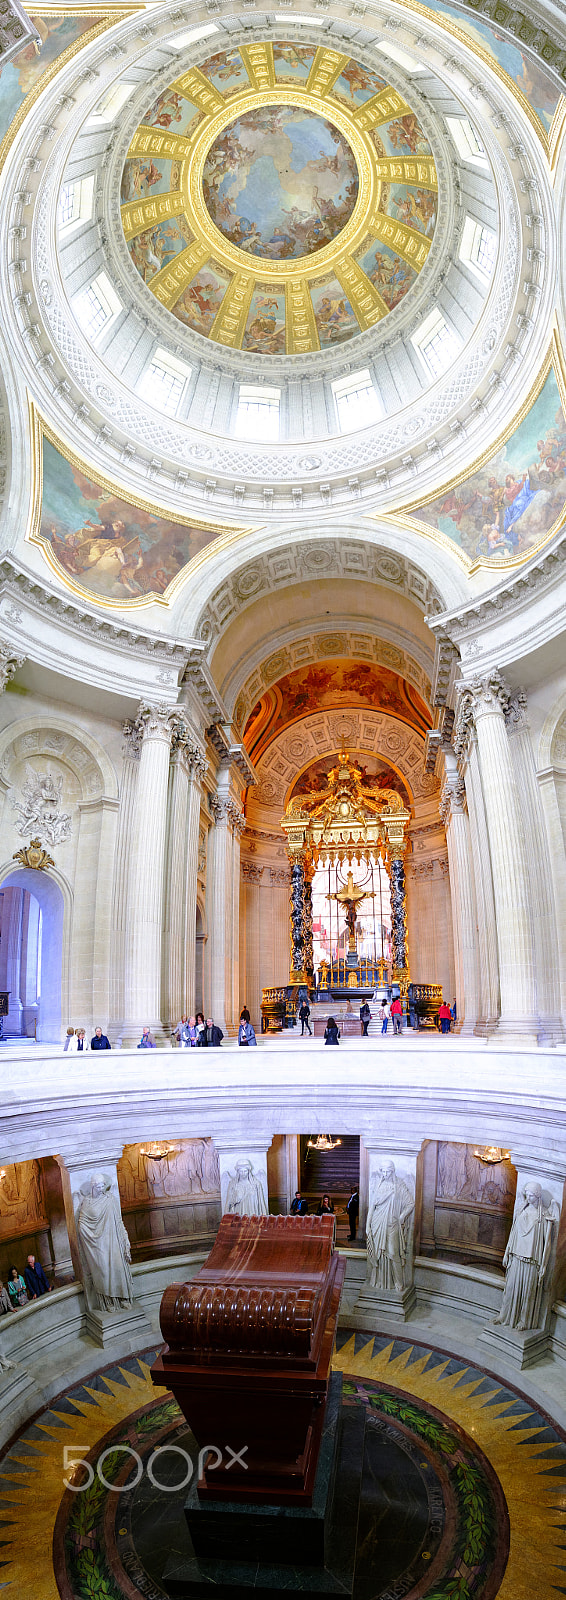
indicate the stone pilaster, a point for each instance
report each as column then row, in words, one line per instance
column 489, row 698
column 488, row 954
column 186, row 769
column 9, row 663
column 453, row 810
column 539, row 871
column 145, row 903
column 131, row 748
column 223, row 907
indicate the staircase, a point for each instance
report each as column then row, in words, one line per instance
column 335, row 1173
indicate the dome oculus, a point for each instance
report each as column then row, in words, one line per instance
column 280, row 182
column 279, row 198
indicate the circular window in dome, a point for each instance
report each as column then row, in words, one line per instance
column 279, row 199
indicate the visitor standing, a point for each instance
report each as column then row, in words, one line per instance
column 304, row 1015
column 246, row 1033
column 397, row 1014
column 99, row 1041
column 353, row 1210
column 384, row 1015
column 17, row 1289
column 445, row 1016
column 299, row 1206
column 35, row 1279
column 212, row 1034
column 147, row 1041
column 331, row 1032
column 326, row 1208
column 365, row 1018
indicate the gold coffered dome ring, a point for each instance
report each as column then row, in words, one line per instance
column 279, row 198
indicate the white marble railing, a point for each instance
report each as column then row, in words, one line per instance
column 408, row 1092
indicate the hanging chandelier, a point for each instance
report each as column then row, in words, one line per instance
column 158, row 1152
column 491, row 1154
column 323, row 1143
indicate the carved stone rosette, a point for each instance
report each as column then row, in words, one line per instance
column 297, row 914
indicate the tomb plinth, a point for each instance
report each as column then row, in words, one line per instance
column 249, row 1349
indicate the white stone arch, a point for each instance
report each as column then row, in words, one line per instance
column 87, row 854
column 266, row 560
column 67, row 741
column 549, row 752
column 57, row 909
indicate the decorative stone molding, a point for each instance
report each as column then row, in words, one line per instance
column 463, row 722
column 515, row 712
column 158, row 720
column 251, row 872
column 278, row 877
column 33, row 855
column 453, row 796
column 16, row 31
column 225, row 811
column 9, row 663
column 70, row 614
column 133, row 735
column 39, row 808
column 231, row 754
column 489, row 694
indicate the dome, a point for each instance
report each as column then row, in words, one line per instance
column 289, row 205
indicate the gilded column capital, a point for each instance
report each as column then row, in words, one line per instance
column 9, row 663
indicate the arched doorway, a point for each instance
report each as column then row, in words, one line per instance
column 31, row 954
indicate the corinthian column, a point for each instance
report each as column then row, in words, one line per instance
column 489, row 699
column 464, row 916
column 145, row 903
column 223, row 895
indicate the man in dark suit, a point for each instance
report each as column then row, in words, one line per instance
column 299, row 1206
column 35, row 1279
column 353, row 1209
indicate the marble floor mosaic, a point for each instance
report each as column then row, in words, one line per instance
column 463, row 1487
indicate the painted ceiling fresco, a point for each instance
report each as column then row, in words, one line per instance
column 19, row 76
column 271, row 160
column 510, row 505
column 280, row 182
column 108, row 546
column 340, row 683
column 376, row 773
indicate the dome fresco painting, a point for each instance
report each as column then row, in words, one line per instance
column 279, row 198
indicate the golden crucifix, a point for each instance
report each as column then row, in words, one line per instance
column 350, row 897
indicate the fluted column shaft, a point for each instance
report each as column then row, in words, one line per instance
column 223, row 893
column 488, row 954
column 145, row 909
column 197, row 770
column 464, row 914
column 124, row 841
column 516, row 974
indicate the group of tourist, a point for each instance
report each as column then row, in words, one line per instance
column 300, row 1208
column 193, row 1032
column 76, row 1040
column 23, row 1287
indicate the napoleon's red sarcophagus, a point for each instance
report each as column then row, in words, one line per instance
column 249, row 1347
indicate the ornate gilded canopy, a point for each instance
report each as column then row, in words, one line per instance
column 348, row 821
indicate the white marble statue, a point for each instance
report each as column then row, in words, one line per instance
column 388, row 1230
column 246, row 1195
column 527, row 1259
column 5, row 1364
column 104, row 1243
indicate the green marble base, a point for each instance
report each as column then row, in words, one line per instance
column 243, row 1550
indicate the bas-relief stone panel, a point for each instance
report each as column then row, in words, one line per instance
column 172, row 1202
column 22, row 1214
column 467, row 1205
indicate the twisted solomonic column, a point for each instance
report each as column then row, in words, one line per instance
column 297, row 921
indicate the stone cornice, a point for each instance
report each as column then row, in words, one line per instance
column 18, row 585
column 507, row 598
